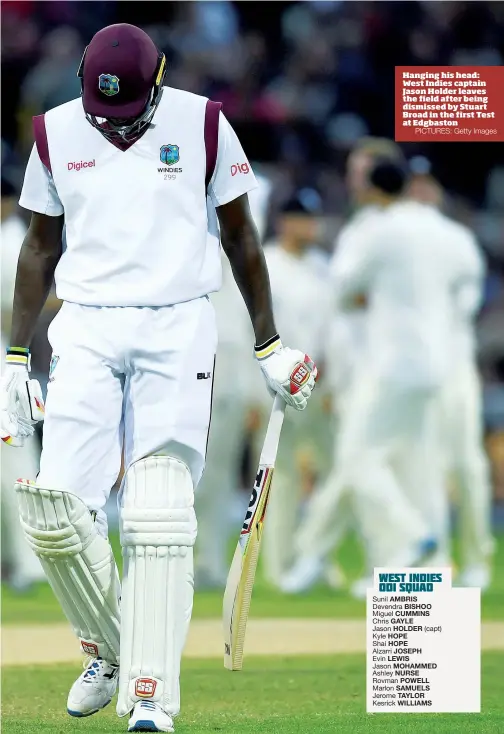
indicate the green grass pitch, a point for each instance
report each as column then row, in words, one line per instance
column 274, row 695
column 304, row 695
column 40, row 606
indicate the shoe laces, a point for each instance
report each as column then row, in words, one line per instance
column 93, row 667
column 149, row 705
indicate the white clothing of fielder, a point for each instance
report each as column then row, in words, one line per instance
column 330, row 511
column 386, row 453
column 24, row 566
column 330, row 514
column 133, row 358
column 388, row 449
column 461, row 407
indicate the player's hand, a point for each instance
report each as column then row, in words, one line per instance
column 21, row 403
column 288, row 372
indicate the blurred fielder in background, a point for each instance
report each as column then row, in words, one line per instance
column 460, row 409
column 387, row 449
column 24, row 568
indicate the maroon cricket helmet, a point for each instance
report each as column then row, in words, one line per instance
column 120, row 69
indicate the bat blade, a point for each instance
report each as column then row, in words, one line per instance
column 240, row 582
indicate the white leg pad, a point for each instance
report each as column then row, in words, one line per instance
column 158, row 531
column 78, row 563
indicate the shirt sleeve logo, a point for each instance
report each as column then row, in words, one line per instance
column 108, row 84
column 239, row 168
column 169, row 154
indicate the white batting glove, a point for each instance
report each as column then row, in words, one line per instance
column 21, row 403
column 288, row 372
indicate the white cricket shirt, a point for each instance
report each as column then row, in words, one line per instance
column 347, row 341
column 468, row 269
column 402, row 267
column 138, row 230
column 301, row 300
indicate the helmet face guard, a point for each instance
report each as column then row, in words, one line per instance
column 113, row 125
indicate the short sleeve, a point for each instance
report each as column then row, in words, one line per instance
column 39, row 191
column 350, row 270
column 233, row 174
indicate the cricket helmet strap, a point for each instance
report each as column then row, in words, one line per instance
column 122, row 75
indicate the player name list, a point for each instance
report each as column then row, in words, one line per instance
column 423, row 643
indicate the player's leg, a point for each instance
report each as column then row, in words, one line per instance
column 167, row 415
column 217, row 489
column 391, row 527
column 420, row 467
column 325, row 520
column 472, row 481
column 322, row 528
column 24, row 566
column 79, row 464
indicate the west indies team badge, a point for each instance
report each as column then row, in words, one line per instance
column 108, row 84
column 169, row 154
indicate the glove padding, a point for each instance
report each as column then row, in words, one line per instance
column 21, row 404
column 290, row 373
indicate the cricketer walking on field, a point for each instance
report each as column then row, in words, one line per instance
column 134, row 170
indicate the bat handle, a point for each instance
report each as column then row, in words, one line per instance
column 279, row 405
column 270, row 447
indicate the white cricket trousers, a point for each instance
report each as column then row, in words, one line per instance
column 387, row 460
column 389, row 456
column 218, row 487
column 142, row 375
column 466, row 462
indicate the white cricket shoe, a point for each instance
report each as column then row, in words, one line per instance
column 149, row 716
column 306, row 571
column 309, row 570
column 94, row 688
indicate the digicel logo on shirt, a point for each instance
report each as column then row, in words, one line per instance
column 239, row 168
column 77, row 165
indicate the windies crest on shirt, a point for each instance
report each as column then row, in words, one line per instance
column 169, row 154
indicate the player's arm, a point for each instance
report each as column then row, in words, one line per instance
column 289, row 372
column 240, row 241
column 350, row 274
column 41, row 250
column 40, row 253
column 469, row 284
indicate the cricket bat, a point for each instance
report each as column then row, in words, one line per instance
column 241, row 575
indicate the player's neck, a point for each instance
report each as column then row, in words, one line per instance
column 291, row 245
column 379, row 198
